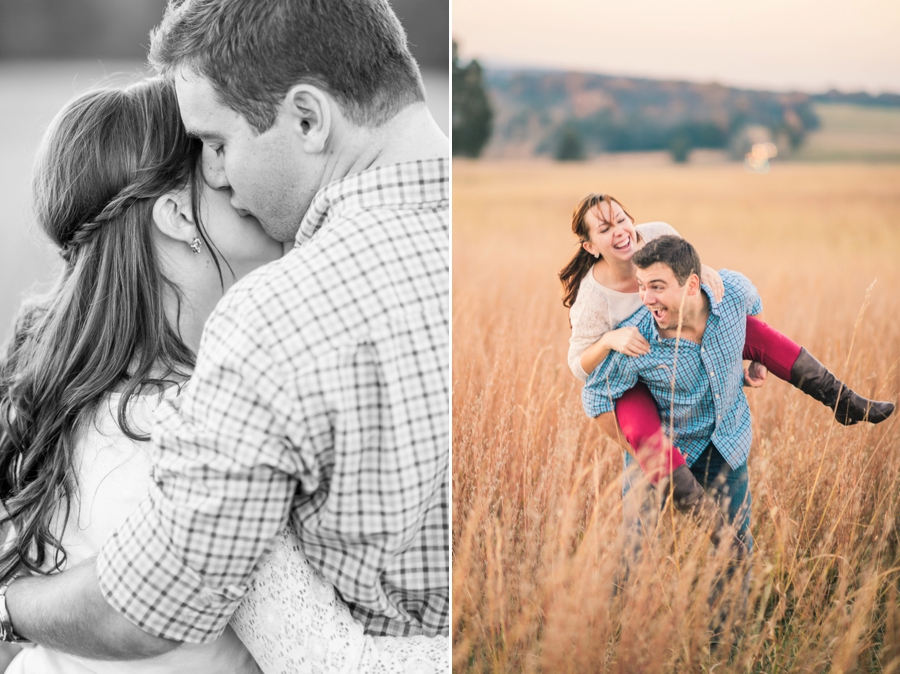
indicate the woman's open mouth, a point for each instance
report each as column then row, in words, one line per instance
column 624, row 245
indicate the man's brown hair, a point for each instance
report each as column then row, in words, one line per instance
column 673, row 251
column 254, row 51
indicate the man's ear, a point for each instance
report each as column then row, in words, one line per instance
column 693, row 284
column 173, row 217
column 309, row 112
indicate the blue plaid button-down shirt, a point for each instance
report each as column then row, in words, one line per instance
column 697, row 387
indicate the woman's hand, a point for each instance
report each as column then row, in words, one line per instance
column 710, row 277
column 627, row 340
column 624, row 340
column 755, row 375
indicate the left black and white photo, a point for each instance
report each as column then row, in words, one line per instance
column 225, row 308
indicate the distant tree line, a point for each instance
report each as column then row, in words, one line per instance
column 573, row 115
column 575, row 138
column 472, row 115
column 859, row 98
column 601, row 133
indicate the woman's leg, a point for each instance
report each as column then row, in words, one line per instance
column 665, row 467
column 639, row 420
column 789, row 361
column 766, row 345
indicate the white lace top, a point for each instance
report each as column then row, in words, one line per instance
column 291, row 621
column 112, row 475
column 598, row 309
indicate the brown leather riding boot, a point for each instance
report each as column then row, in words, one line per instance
column 814, row 379
column 689, row 498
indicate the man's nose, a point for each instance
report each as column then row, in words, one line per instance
column 217, row 179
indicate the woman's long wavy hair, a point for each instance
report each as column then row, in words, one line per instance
column 581, row 263
column 104, row 161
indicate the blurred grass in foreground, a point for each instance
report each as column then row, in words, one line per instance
column 536, row 505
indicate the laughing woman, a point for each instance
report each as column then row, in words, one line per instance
column 148, row 249
column 601, row 290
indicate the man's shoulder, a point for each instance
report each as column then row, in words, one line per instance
column 741, row 296
column 737, row 283
column 264, row 297
column 734, row 278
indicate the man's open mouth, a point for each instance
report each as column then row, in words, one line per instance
column 660, row 314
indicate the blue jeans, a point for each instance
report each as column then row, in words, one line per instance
column 730, row 487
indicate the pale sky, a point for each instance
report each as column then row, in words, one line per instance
column 807, row 45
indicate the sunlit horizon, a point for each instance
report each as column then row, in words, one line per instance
column 799, row 45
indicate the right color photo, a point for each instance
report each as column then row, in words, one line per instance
column 676, row 336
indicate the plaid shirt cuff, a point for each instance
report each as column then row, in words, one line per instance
column 152, row 587
column 596, row 402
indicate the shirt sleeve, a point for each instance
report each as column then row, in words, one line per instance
column 223, row 481
column 755, row 302
column 654, row 230
column 590, row 321
column 748, row 292
column 353, row 442
column 609, row 381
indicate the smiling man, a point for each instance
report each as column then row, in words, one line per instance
column 321, row 391
column 694, row 371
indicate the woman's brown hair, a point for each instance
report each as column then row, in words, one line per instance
column 103, row 327
column 581, row 263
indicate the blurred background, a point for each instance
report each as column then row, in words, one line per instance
column 739, row 81
column 51, row 50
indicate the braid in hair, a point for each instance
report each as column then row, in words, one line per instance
column 103, row 327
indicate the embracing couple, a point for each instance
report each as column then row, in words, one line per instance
column 291, row 510
column 659, row 340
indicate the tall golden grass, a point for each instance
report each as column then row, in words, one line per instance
column 536, row 489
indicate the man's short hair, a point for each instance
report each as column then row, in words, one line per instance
column 678, row 254
column 254, row 51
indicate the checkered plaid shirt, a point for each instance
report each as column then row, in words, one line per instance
column 320, row 396
column 709, row 402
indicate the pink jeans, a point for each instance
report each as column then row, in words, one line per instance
column 638, row 416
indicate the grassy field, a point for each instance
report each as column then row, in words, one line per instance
column 854, row 132
column 536, row 505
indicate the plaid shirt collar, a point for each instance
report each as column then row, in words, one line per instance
column 423, row 181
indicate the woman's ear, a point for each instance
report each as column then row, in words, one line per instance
column 589, row 247
column 173, row 217
column 308, row 110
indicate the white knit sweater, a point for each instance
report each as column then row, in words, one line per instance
column 598, row 309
